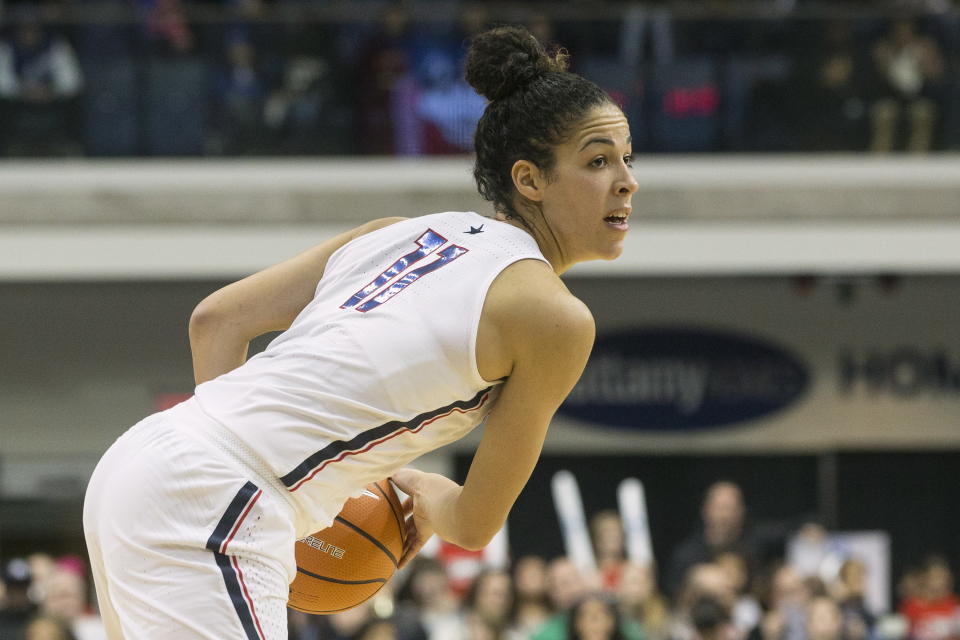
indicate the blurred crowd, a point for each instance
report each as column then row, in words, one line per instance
column 318, row 77
column 47, row 598
column 729, row 580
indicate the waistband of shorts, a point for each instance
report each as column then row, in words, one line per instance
column 193, row 421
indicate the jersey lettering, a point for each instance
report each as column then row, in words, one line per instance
column 376, row 293
column 427, row 243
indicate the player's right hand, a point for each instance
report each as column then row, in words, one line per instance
column 429, row 496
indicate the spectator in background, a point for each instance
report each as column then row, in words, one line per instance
column 786, row 610
column 444, row 108
column 299, row 626
column 302, row 114
column 815, row 587
column 448, row 108
column 541, row 26
column 746, row 612
column 641, row 602
column 40, row 80
column 723, row 513
column 566, row 585
column 596, row 617
column 473, row 20
column 65, row 597
column 609, row 546
column 384, row 61
column 830, row 105
column 486, row 607
column 704, row 580
column 248, row 22
column 346, row 625
column 910, row 69
column 824, row 620
column 42, row 565
column 378, row 629
column 166, row 28
column 711, row 620
column 933, row 613
column 16, row 608
column 531, row 607
column 426, row 607
column 910, row 584
column 239, row 96
column 48, row 627
column 849, row 591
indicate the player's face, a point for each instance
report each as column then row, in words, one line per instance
column 587, row 201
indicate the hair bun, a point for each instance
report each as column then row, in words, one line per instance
column 506, row 59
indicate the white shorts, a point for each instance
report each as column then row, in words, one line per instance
column 185, row 541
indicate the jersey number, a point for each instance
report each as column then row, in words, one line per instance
column 379, row 291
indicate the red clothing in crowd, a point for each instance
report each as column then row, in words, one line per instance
column 933, row 619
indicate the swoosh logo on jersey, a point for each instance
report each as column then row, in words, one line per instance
column 474, row 230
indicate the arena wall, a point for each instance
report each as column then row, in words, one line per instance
column 101, row 264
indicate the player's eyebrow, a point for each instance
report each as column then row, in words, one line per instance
column 602, row 141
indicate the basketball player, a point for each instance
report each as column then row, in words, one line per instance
column 399, row 336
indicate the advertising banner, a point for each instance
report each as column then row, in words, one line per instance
column 673, row 379
column 759, row 364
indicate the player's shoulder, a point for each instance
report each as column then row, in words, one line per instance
column 535, row 280
column 377, row 224
column 532, row 299
column 559, row 315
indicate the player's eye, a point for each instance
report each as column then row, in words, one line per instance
column 628, row 159
column 599, row 162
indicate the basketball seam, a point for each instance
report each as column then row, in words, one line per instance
column 338, row 580
column 392, row 508
column 369, row 537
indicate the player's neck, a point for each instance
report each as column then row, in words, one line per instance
column 533, row 223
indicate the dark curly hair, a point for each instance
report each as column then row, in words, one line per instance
column 610, row 604
column 534, row 104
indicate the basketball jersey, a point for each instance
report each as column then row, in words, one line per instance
column 380, row 367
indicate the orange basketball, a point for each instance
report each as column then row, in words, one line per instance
column 348, row 562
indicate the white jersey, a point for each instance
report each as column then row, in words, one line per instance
column 380, row 367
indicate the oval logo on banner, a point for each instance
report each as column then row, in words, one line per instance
column 675, row 379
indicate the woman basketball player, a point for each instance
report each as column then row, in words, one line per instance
column 399, row 336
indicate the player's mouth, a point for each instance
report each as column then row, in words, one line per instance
column 618, row 219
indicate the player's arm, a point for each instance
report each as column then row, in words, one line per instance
column 224, row 323
column 551, row 337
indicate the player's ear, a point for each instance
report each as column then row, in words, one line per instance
column 528, row 180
